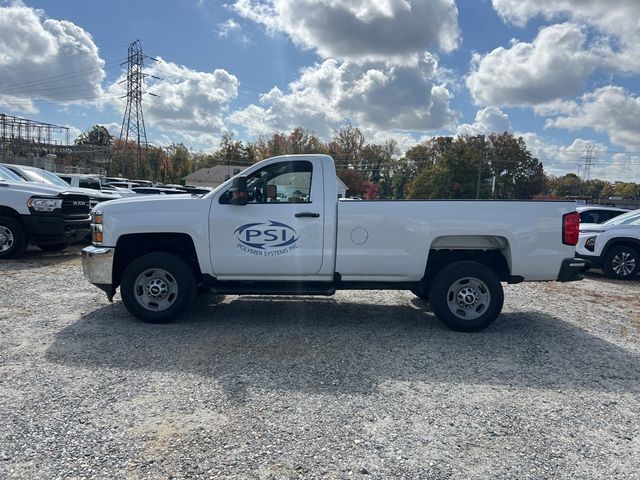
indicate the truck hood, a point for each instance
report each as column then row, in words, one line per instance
column 147, row 202
column 35, row 188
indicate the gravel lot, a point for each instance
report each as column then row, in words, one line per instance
column 359, row 385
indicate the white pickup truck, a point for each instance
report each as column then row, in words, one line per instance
column 279, row 228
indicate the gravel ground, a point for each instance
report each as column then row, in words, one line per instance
column 359, row 385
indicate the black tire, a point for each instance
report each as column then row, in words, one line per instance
column 13, row 238
column 158, row 287
column 53, row 247
column 466, row 296
column 621, row 263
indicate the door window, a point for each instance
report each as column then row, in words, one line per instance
column 282, row 182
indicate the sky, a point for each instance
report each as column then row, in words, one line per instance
column 562, row 74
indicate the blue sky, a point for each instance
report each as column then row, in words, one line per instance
column 563, row 74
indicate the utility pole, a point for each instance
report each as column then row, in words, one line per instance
column 133, row 121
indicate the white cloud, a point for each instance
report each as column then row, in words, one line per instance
column 614, row 18
column 73, row 133
column 611, row 110
column 488, row 120
column 228, row 27
column 48, row 59
column 559, row 159
column 396, row 31
column 327, row 95
column 190, row 105
column 556, row 64
column 113, row 128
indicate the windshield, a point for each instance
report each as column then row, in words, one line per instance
column 8, row 176
column 631, row 218
column 42, row 176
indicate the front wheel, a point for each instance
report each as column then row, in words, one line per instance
column 13, row 238
column 466, row 296
column 157, row 287
column 622, row 263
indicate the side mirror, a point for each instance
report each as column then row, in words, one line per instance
column 239, row 192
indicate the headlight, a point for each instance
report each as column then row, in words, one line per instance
column 97, row 229
column 590, row 244
column 44, row 204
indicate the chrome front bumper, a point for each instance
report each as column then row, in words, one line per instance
column 97, row 264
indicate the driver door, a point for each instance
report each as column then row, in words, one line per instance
column 279, row 232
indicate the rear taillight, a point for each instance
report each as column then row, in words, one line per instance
column 570, row 228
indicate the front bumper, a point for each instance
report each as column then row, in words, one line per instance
column 571, row 270
column 97, row 266
column 45, row 229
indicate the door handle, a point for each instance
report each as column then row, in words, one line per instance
column 307, row 215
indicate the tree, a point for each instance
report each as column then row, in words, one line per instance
column 301, row 140
column 456, row 174
column 568, row 185
column 517, row 173
column 96, row 135
column 346, row 147
column 354, row 182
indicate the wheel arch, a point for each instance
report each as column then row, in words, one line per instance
column 132, row 246
column 9, row 212
column 617, row 241
column 496, row 259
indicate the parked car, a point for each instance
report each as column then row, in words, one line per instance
column 157, row 191
column 237, row 240
column 128, row 185
column 81, row 181
column 613, row 246
column 143, row 183
column 115, row 179
column 38, row 175
column 598, row 214
column 123, row 192
column 47, row 216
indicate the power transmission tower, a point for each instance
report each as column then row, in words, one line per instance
column 588, row 158
column 133, row 121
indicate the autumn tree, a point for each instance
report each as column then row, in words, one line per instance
column 517, row 173
column 457, row 173
column 347, row 146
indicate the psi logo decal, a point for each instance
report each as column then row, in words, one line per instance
column 266, row 239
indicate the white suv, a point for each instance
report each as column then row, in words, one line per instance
column 613, row 246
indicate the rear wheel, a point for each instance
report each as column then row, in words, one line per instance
column 157, row 287
column 466, row 296
column 13, row 238
column 53, row 247
column 622, row 263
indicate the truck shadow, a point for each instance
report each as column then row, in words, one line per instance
column 322, row 345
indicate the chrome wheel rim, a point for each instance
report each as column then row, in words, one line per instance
column 623, row 263
column 468, row 298
column 156, row 289
column 6, row 239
